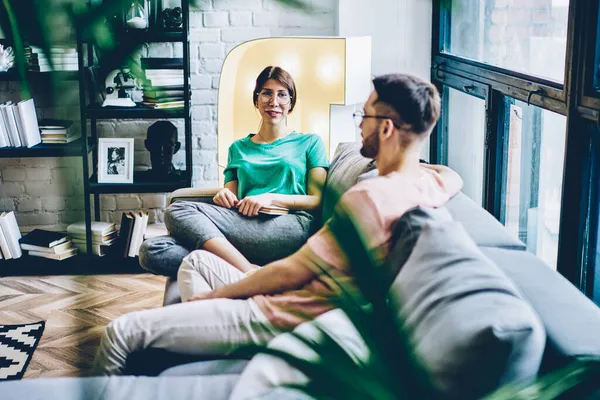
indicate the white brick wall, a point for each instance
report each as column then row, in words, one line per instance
column 47, row 192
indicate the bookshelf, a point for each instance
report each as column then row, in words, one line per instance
column 92, row 112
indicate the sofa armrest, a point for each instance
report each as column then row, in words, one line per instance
column 193, row 194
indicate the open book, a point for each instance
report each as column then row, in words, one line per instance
column 274, row 210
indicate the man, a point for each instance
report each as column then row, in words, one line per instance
column 224, row 310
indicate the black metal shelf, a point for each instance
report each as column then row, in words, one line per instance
column 151, row 36
column 80, row 264
column 141, row 184
column 59, row 75
column 73, row 149
column 98, row 112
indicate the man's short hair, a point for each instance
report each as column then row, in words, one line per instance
column 416, row 101
column 162, row 129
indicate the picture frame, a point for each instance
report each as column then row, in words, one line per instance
column 115, row 160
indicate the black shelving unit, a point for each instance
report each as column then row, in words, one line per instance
column 92, row 112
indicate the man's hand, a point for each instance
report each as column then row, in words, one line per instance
column 225, row 198
column 201, row 296
column 250, row 205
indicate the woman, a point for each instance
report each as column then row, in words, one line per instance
column 274, row 167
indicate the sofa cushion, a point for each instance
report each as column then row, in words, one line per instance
column 207, row 368
column 481, row 225
column 405, row 233
column 572, row 321
column 120, row 388
column 172, row 295
column 469, row 324
column 347, row 165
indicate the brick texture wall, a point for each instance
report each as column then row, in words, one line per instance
column 48, row 192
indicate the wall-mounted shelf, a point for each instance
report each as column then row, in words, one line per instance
column 151, row 36
column 98, row 112
column 59, row 75
column 73, row 149
column 141, row 184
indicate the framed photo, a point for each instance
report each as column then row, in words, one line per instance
column 115, row 160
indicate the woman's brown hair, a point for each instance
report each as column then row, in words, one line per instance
column 280, row 75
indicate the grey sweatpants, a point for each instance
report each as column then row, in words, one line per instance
column 260, row 239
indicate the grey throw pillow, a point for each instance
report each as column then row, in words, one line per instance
column 347, row 165
column 468, row 322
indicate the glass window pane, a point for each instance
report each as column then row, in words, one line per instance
column 529, row 36
column 536, row 149
column 466, row 137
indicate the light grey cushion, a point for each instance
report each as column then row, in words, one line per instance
column 347, row 165
column 572, row 321
column 405, row 233
column 207, row 368
column 120, row 388
column 172, row 295
column 469, row 324
column 481, row 225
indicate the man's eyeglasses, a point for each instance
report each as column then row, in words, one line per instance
column 359, row 116
column 266, row 96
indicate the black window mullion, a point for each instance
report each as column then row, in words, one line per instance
column 496, row 145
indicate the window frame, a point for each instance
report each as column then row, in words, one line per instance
column 574, row 98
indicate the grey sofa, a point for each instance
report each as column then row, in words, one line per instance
column 571, row 320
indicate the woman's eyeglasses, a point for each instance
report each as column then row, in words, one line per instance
column 266, row 96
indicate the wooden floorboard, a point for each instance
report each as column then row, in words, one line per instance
column 76, row 308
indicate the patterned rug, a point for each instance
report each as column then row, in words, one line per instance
column 17, row 343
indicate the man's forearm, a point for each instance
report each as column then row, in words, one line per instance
column 279, row 276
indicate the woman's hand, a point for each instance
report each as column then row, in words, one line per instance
column 250, row 205
column 201, row 296
column 225, row 198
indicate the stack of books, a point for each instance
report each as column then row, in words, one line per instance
column 163, row 86
column 9, row 236
column 48, row 244
column 64, row 58
column 19, row 124
column 104, row 234
column 58, row 131
column 132, row 231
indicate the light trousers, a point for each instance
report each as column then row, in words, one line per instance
column 215, row 327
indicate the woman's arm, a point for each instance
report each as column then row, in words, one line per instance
column 309, row 202
column 227, row 197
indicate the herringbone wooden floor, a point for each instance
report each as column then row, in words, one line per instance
column 76, row 309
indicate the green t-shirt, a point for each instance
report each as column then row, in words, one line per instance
column 279, row 167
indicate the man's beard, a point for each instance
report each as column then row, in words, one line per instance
column 370, row 147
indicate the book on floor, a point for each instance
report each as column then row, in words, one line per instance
column 10, row 230
column 53, row 256
column 274, row 210
column 43, row 238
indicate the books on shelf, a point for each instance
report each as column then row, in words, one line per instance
column 161, row 63
column 64, row 58
column 43, row 238
column 132, row 231
column 104, row 234
column 58, row 131
column 10, row 236
column 165, row 105
column 274, row 210
column 19, row 124
column 48, row 244
column 55, row 256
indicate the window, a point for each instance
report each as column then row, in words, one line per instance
column 534, row 172
column 466, row 137
column 528, row 36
